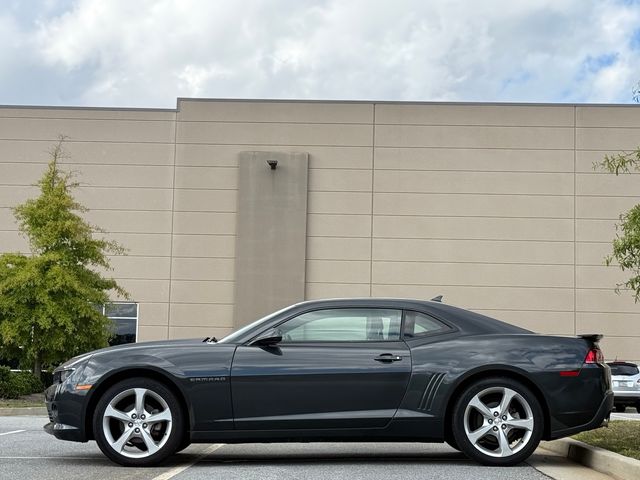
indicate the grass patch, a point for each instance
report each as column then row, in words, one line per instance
column 33, row 400
column 621, row 437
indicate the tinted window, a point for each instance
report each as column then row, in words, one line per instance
column 343, row 325
column 418, row 324
column 623, row 369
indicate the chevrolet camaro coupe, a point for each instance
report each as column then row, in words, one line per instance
column 356, row 370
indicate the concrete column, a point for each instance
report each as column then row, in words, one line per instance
column 271, row 233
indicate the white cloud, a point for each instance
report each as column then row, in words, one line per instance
column 147, row 52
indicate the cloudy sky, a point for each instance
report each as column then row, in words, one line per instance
column 145, row 53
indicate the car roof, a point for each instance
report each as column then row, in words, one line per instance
column 465, row 320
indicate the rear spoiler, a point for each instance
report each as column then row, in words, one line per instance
column 592, row 337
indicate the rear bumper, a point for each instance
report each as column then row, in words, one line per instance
column 626, row 399
column 601, row 416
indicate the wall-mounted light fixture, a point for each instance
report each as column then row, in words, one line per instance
column 273, row 164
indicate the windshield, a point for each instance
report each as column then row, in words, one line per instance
column 623, row 369
column 234, row 336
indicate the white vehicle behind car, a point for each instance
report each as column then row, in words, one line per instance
column 625, row 377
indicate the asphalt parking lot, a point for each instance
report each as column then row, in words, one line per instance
column 26, row 452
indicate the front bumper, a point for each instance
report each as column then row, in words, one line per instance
column 64, row 432
column 64, row 409
column 602, row 416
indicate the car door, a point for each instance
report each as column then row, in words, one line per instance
column 334, row 368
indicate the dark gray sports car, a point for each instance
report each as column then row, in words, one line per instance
column 361, row 370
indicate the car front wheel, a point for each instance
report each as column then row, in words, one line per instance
column 138, row 422
column 497, row 421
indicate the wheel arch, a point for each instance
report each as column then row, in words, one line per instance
column 125, row 373
column 495, row 371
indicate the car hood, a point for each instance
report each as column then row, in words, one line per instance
column 142, row 346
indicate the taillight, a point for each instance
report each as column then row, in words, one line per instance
column 594, row 355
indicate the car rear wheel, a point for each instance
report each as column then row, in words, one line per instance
column 138, row 422
column 497, row 421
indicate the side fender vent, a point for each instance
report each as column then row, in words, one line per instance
column 430, row 391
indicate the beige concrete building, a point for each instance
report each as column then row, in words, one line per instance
column 495, row 206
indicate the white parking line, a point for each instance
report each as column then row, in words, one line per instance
column 181, row 468
column 14, row 431
column 57, row 457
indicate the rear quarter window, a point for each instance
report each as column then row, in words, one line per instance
column 418, row 324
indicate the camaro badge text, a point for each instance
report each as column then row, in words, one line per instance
column 207, row 379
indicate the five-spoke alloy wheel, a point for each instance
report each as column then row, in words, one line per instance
column 497, row 421
column 138, row 422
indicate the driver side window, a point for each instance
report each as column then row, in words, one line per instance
column 343, row 325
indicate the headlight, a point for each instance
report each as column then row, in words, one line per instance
column 61, row 375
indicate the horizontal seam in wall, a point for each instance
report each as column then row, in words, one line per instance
column 183, row 302
column 479, row 193
column 443, row 262
column 466, row 216
column 517, row 310
column 72, row 164
column 468, row 170
column 202, row 303
column 621, row 336
column 69, row 141
column 569, row 128
column 455, row 239
column 202, row 257
column 473, row 147
column 135, row 187
column 94, row 119
column 204, row 281
column 225, row 212
column 271, row 122
column 483, row 194
column 476, row 285
column 250, row 144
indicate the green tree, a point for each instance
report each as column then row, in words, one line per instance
column 626, row 244
column 49, row 299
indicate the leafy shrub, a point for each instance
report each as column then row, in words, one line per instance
column 5, row 373
column 17, row 384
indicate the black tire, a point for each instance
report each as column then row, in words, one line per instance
column 620, row 408
column 448, row 438
column 452, row 443
column 638, row 408
column 113, row 432
column 518, row 441
column 185, row 444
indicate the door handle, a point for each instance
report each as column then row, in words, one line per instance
column 388, row 358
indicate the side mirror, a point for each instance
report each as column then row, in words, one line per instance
column 269, row 338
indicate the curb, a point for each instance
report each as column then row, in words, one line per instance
column 596, row 458
column 23, row 411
